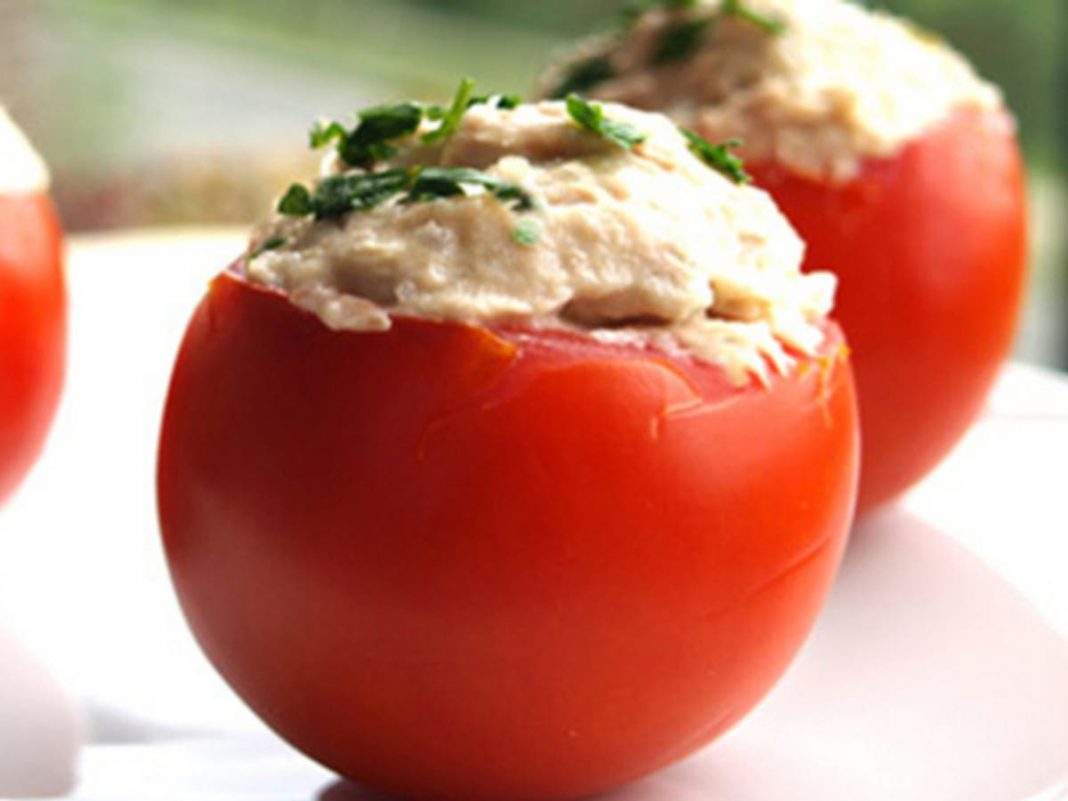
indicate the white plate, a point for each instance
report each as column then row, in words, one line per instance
column 939, row 671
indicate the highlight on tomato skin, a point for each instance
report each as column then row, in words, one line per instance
column 32, row 329
column 458, row 562
column 930, row 247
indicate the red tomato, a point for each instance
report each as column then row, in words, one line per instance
column 453, row 562
column 32, row 329
column 930, row 247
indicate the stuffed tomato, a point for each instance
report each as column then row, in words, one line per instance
column 465, row 510
column 897, row 165
column 32, row 306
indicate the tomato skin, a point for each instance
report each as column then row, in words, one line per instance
column 930, row 247
column 33, row 329
column 467, row 564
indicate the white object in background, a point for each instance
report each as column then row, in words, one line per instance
column 41, row 728
column 106, row 620
column 21, row 169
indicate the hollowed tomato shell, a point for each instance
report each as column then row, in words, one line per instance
column 460, row 563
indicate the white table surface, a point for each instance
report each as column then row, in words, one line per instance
column 939, row 670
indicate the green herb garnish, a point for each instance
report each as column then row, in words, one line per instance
column 431, row 183
column 325, row 132
column 296, row 202
column 273, row 243
column 506, row 102
column 584, row 76
column 591, row 117
column 370, row 140
column 718, row 157
column 526, row 233
column 737, row 8
column 338, row 195
column 680, row 41
column 450, row 120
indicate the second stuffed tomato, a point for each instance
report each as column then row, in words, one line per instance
column 931, row 245
column 899, row 167
column 501, row 559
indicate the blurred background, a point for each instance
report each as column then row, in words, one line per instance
column 163, row 112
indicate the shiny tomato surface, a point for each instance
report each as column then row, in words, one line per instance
column 930, row 248
column 32, row 329
column 461, row 563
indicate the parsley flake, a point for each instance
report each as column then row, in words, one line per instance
column 431, row 183
column 450, row 120
column 296, row 202
column 584, row 76
column 718, row 157
column 505, row 102
column 591, row 117
column 526, row 233
column 325, row 132
column 273, row 243
column 370, row 140
column 338, row 195
column 680, row 41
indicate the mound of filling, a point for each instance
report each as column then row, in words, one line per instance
column 560, row 214
column 21, row 169
column 815, row 85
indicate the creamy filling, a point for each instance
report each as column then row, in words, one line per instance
column 22, row 170
column 833, row 85
column 648, row 245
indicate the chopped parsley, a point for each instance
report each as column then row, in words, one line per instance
column 680, row 41
column 296, row 202
column 505, row 102
column 584, row 76
column 526, row 233
column 431, row 183
column 450, row 119
column 338, row 195
column 591, row 117
column 273, row 243
column 372, row 139
column 718, row 157
column 738, row 8
column 324, row 133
